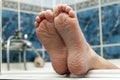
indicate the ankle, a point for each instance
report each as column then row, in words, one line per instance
column 98, row 62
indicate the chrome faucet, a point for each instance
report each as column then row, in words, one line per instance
column 16, row 42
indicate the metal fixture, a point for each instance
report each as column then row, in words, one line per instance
column 16, row 42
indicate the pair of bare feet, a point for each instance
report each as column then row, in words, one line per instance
column 62, row 37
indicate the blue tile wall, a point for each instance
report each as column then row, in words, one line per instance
column 112, row 52
column 47, row 58
column 27, row 27
column 89, row 23
column 4, row 56
column 97, row 50
column 30, row 56
column 9, row 23
column 13, row 56
column 111, row 24
column 88, row 20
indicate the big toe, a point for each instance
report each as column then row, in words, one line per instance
column 63, row 8
column 49, row 15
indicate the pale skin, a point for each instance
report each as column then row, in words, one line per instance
column 62, row 37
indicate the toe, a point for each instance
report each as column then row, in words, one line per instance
column 72, row 14
column 41, row 16
column 37, row 19
column 49, row 15
column 36, row 24
column 62, row 8
column 58, row 9
column 67, row 9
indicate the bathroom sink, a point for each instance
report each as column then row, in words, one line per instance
column 17, row 72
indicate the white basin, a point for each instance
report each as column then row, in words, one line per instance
column 17, row 72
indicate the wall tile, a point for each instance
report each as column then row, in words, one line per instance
column 89, row 23
column 108, row 1
column 86, row 4
column 27, row 26
column 97, row 50
column 112, row 52
column 9, row 23
column 111, row 24
column 4, row 56
column 88, row 20
column 47, row 57
column 13, row 56
column 31, row 8
column 30, row 56
column 9, row 4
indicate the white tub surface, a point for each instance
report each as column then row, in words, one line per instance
column 47, row 72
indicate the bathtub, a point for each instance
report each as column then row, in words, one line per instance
column 17, row 72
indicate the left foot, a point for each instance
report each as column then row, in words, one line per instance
column 51, row 40
column 81, row 57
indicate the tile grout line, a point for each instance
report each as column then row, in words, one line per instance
column 105, row 45
column 100, row 26
column 19, row 20
column 111, row 45
column 0, row 35
column 54, row 4
column 41, row 2
column 75, row 6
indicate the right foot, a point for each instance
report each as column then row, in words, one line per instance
column 51, row 40
column 81, row 57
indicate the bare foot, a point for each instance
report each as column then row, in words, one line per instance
column 51, row 40
column 81, row 57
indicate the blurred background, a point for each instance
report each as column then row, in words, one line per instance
column 98, row 19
